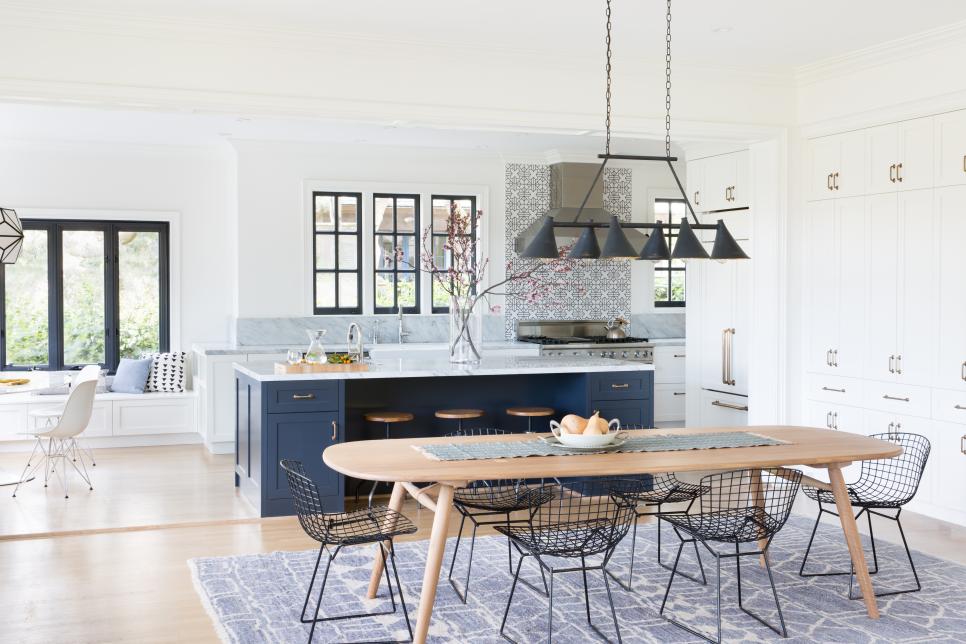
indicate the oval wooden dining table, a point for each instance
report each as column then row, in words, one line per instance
column 400, row 462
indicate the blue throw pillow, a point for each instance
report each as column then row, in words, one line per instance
column 131, row 376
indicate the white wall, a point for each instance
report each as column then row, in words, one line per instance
column 191, row 181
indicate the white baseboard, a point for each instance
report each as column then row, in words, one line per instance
column 190, row 438
column 221, row 447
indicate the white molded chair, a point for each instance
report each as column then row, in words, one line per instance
column 47, row 418
column 58, row 444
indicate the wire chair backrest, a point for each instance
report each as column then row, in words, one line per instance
column 895, row 480
column 600, row 501
column 760, row 500
column 77, row 411
column 305, row 495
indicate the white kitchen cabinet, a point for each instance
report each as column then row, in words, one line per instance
column 901, row 287
column 836, row 284
column 724, row 181
column 723, row 410
column 101, row 423
column 951, row 232
column 669, row 384
column 836, row 166
column 950, row 143
column 945, row 475
column 900, row 156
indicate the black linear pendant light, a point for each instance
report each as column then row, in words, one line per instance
column 617, row 246
column 725, row 246
column 656, row 248
column 544, row 244
column 688, row 246
column 586, row 246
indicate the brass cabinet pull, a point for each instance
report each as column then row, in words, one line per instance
column 962, row 441
column 899, row 364
column 888, row 397
column 964, row 163
column 303, row 396
column 731, row 357
column 962, row 371
column 835, row 357
column 835, row 420
column 828, row 419
column 828, row 357
column 724, row 356
column 892, row 173
column 683, row 355
column 697, row 193
column 718, row 403
column 959, row 407
column 835, row 181
column 620, row 386
column 892, row 364
column 899, row 173
column 828, row 182
column 838, row 391
column 679, row 393
column 335, row 430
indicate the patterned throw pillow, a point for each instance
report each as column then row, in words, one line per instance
column 167, row 372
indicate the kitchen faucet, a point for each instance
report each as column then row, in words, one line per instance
column 402, row 333
column 354, row 342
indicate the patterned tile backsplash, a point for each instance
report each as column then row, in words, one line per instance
column 596, row 290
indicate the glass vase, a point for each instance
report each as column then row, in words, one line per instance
column 465, row 331
column 316, row 352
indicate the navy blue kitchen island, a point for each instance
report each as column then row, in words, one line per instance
column 298, row 415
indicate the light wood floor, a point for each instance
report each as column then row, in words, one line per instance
column 117, row 585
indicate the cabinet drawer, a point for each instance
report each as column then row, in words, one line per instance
column 834, row 389
column 668, row 402
column 899, row 399
column 949, row 406
column 631, row 413
column 669, row 364
column 282, row 397
column 620, row 386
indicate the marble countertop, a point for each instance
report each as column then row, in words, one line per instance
column 227, row 348
column 669, row 342
column 429, row 368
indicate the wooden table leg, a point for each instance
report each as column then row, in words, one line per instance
column 395, row 503
column 758, row 494
column 852, row 538
column 434, row 561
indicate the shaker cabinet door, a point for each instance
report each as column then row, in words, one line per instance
column 950, row 148
column 951, row 231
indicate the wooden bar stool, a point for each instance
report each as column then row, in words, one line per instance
column 459, row 415
column 530, row 413
column 387, row 417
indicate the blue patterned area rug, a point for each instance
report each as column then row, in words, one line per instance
column 257, row 598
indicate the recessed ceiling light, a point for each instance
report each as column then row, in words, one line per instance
column 722, row 30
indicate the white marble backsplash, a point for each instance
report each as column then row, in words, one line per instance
column 421, row 328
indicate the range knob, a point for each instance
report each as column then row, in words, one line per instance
column 623, row 354
column 574, row 352
column 637, row 354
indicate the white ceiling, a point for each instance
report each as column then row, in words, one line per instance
column 766, row 35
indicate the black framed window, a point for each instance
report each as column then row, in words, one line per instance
column 85, row 292
column 337, row 249
column 669, row 275
column 440, row 233
column 396, row 253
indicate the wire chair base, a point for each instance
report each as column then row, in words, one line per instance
column 629, row 584
column 875, row 558
column 325, row 576
column 51, row 451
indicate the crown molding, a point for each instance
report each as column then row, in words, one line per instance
column 882, row 53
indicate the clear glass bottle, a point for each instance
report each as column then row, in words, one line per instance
column 316, row 352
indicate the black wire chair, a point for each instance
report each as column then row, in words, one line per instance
column 492, row 498
column 583, row 519
column 370, row 525
column 665, row 489
column 886, row 484
column 744, row 506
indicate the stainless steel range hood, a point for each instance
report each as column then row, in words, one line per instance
column 569, row 183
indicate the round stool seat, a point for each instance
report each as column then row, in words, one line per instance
column 530, row 412
column 388, row 416
column 459, row 414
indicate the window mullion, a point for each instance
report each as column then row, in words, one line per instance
column 112, row 315
column 55, row 297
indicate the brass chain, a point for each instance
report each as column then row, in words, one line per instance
column 607, row 93
column 667, row 84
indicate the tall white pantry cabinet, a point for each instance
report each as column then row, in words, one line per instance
column 885, row 301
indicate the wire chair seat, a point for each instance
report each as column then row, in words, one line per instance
column 886, row 483
column 667, row 488
column 502, row 496
column 739, row 525
column 365, row 525
column 574, row 539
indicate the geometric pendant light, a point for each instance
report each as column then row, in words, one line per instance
column 725, row 246
column 656, row 248
column 688, row 246
column 11, row 236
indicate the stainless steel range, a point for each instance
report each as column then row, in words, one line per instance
column 582, row 338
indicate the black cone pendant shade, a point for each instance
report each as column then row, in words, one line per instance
column 725, row 246
column 617, row 246
column 586, row 246
column 656, row 248
column 544, row 245
column 688, row 246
